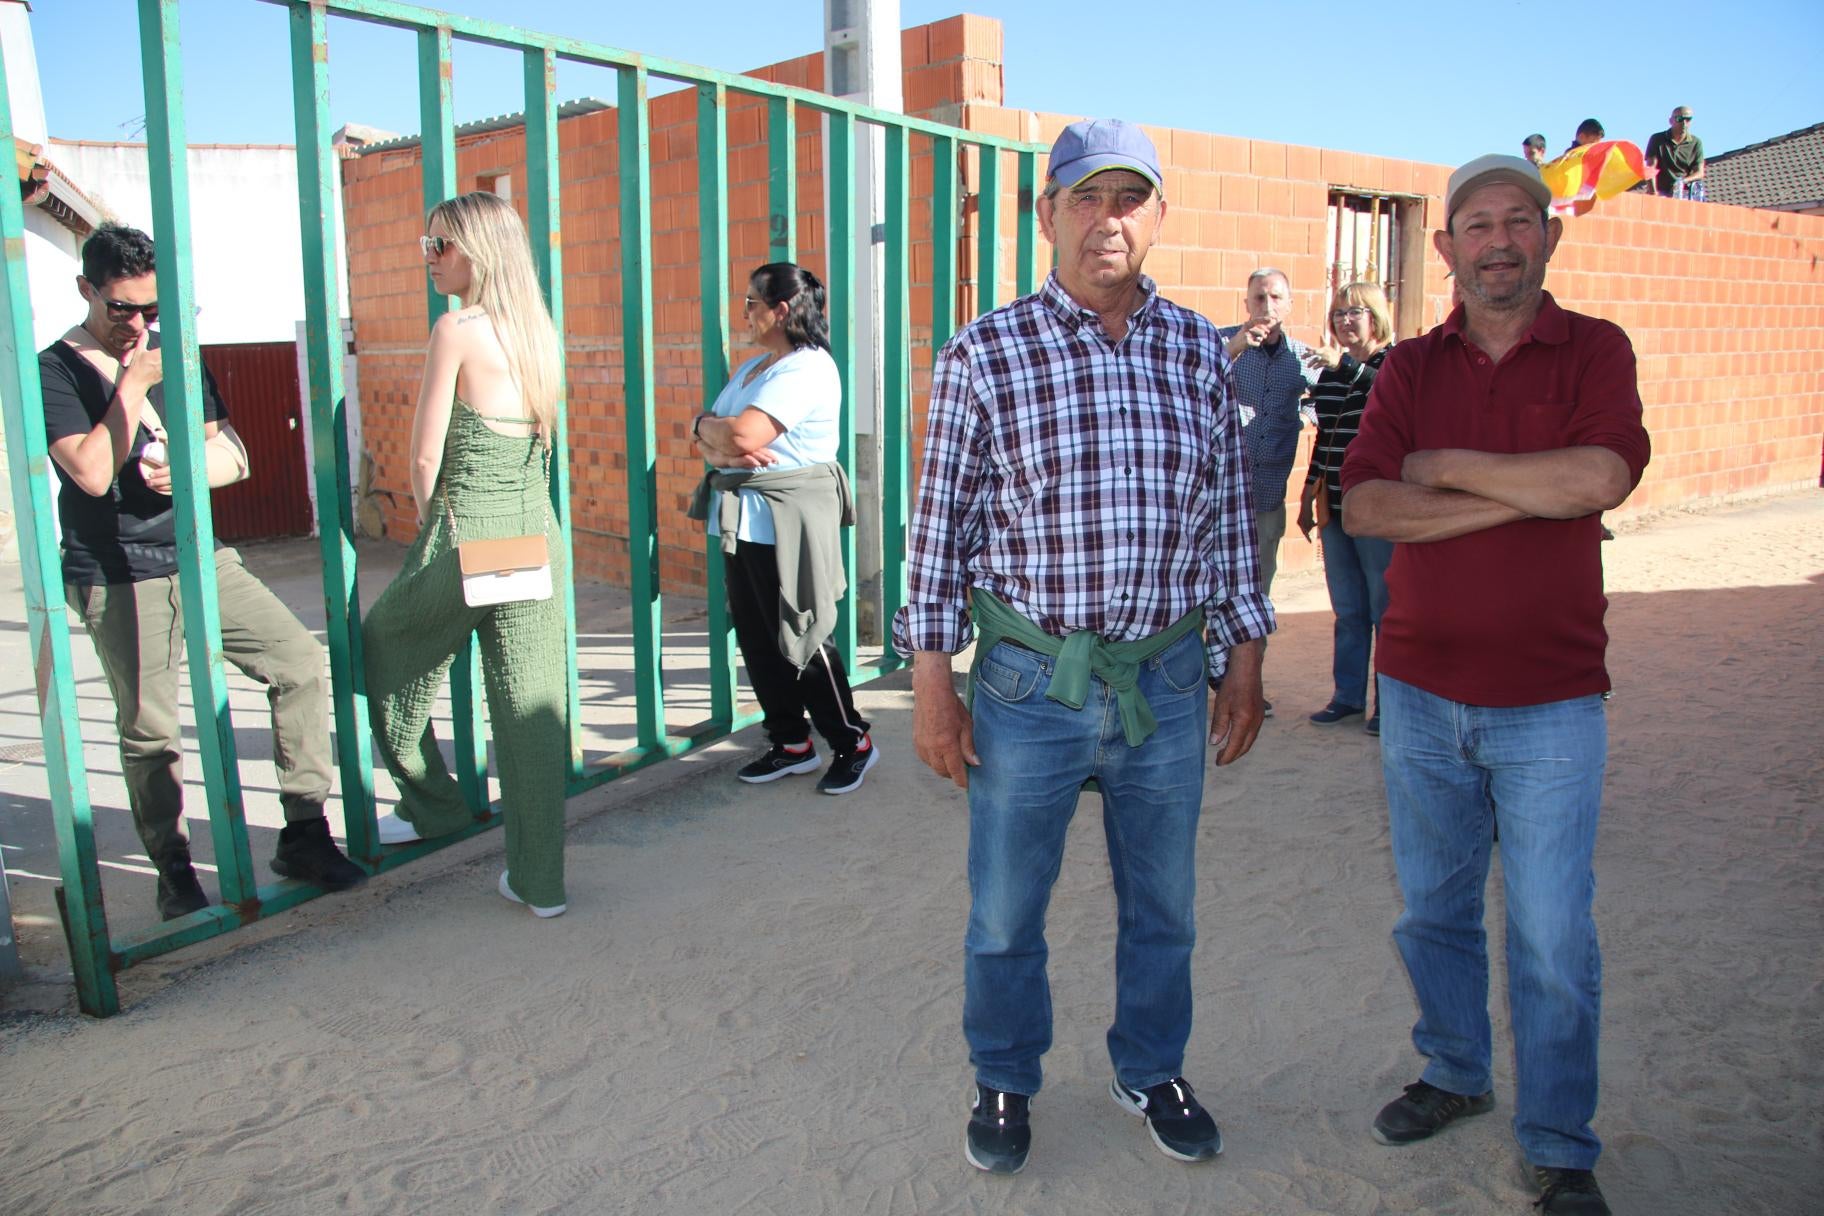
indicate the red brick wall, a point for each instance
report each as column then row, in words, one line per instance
column 1725, row 305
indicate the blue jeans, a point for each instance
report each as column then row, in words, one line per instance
column 1035, row 756
column 1452, row 769
column 1355, row 568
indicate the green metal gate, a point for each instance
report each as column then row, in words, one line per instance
column 95, row 954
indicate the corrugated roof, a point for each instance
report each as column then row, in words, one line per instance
column 567, row 109
column 1783, row 172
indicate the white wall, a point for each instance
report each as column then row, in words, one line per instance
column 246, row 243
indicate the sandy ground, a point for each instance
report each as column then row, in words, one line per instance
column 753, row 1003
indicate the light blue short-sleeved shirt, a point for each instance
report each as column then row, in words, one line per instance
column 802, row 393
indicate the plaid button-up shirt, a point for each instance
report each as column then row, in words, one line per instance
column 1091, row 484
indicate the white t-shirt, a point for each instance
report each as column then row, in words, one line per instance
column 802, row 393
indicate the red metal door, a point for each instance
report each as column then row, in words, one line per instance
column 259, row 381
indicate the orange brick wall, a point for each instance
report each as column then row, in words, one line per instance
column 1725, row 305
column 382, row 194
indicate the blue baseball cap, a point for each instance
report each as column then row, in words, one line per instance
column 1095, row 144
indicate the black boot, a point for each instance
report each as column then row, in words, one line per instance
column 179, row 893
column 307, row 854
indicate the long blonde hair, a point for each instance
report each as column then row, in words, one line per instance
column 505, row 286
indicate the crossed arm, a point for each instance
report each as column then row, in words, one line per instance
column 1448, row 492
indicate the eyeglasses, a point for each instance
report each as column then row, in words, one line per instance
column 1345, row 314
column 120, row 310
column 433, row 246
column 1684, row 118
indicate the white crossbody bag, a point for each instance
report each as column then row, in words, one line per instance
column 507, row 570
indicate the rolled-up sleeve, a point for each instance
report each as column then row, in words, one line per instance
column 946, row 529
column 1239, row 611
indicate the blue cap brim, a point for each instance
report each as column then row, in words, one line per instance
column 1101, row 162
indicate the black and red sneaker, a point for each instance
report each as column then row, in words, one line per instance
column 778, row 761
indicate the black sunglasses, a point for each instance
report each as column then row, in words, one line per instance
column 120, row 310
column 1685, row 118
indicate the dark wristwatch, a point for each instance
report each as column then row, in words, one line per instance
column 696, row 428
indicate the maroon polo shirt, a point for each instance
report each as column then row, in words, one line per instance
column 1510, row 615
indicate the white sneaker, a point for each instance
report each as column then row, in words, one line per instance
column 542, row 913
column 394, row 830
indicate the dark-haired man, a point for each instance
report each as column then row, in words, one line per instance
column 103, row 413
column 1488, row 449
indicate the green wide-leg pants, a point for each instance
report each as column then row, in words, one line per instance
column 410, row 637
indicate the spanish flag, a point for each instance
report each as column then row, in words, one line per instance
column 1594, row 171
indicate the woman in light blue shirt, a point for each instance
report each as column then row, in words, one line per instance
column 780, row 410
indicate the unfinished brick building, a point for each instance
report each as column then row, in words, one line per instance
column 1725, row 305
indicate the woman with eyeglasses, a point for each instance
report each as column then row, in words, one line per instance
column 1355, row 567
column 777, row 498
column 480, row 470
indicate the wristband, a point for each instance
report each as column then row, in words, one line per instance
column 696, row 428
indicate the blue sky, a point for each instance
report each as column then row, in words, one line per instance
column 1437, row 82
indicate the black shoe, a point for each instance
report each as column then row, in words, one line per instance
column 847, row 770
column 1180, row 1126
column 777, row 763
column 1266, row 709
column 1373, row 725
column 1335, row 712
column 179, row 893
column 307, row 853
column 1423, row 1110
column 1000, row 1131
column 1568, row 1192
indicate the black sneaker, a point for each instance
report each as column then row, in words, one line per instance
column 307, row 853
column 1000, row 1131
column 847, row 770
column 1266, row 709
column 1423, row 1110
column 777, row 763
column 1181, row 1127
column 179, row 893
column 1564, row 1192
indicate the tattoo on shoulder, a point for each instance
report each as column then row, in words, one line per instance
column 465, row 318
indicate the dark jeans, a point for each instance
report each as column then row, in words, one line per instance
column 786, row 694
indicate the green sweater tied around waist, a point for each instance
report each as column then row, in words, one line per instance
column 1079, row 656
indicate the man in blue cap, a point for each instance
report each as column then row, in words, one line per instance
column 1084, row 514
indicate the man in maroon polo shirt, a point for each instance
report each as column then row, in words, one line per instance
column 1488, row 450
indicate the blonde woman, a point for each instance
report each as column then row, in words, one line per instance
column 1355, row 567
column 480, row 466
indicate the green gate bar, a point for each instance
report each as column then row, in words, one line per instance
column 95, row 953
column 988, row 231
column 47, row 621
column 712, row 278
column 161, row 59
column 318, row 163
column 544, row 226
column 839, row 293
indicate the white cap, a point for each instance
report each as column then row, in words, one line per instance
column 1487, row 170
